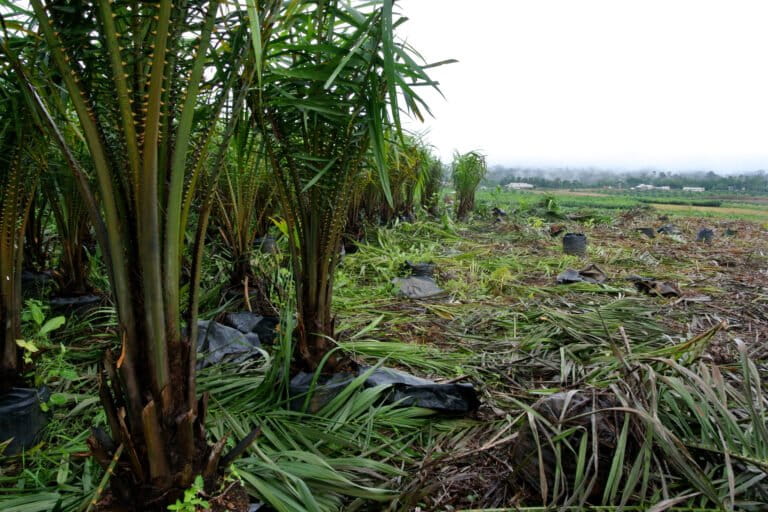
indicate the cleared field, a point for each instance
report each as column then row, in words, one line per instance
column 505, row 325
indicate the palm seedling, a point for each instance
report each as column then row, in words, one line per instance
column 426, row 177
column 407, row 163
column 57, row 203
column 145, row 84
column 431, row 184
column 74, row 232
column 402, row 171
column 243, row 202
column 411, row 181
column 329, row 79
column 369, row 203
column 364, row 198
column 467, row 171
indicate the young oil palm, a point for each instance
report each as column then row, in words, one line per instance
column 330, row 74
column 74, row 231
column 19, row 170
column 467, row 171
column 243, row 202
column 411, row 180
column 406, row 163
column 425, row 178
column 145, row 86
column 432, row 182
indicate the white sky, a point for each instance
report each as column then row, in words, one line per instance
column 668, row 84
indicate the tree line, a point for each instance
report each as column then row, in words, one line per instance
column 752, row 182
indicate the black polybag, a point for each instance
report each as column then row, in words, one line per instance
column 218, row 343
column 22, row 417
column 246, row 322
column 404, row 389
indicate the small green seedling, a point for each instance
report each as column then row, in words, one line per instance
column 192, row 501
column 38, row 335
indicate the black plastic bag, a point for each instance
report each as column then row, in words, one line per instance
column 591, row 274
column 669, row 229
column 75, row 305
column 651, row 286
column 266, row 244
column 420, row 269
column 575, row 244
column 705, row 235
column 411, row 391
column 584, row 412
column 649, row 232
column 265, row 327
column 22, row 417
column 405, row 389
column 417, row 287
column 218, row 343
column 36, row 284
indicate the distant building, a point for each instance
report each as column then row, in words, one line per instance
column 644, row 186
column 519, row 186
column 693, row 189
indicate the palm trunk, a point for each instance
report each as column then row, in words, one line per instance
column 18, row 188
column 466, row 205
column 74, row 269
column 35, row 256
column 241, row 271
column 146, row 158
column 315, row 292
column 11, row 262
column 9, row 316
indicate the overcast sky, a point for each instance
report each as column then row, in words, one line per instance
column 668, row 84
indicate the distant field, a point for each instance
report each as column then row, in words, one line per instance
column 722, row 211
column 732, row 207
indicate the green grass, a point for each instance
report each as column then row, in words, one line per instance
column 713, row 203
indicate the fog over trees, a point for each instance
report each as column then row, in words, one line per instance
column 564, row 177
